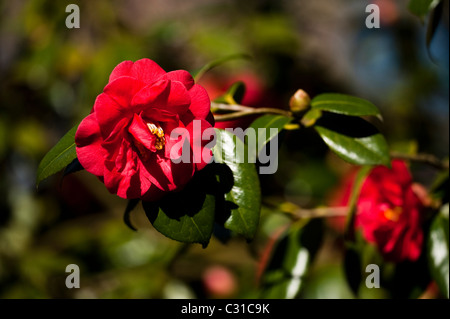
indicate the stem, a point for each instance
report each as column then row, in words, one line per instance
column 322, row 212
column 229, row 107
column 423, row 158
column 241, row 111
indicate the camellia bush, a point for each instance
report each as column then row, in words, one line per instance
column 156, row 139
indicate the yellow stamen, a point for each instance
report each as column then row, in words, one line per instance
column 393, row 214
column 159, row 133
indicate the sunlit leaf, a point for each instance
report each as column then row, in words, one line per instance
column 433, row 23
column 353, row 200
column 438, row 250
column 367, row 150
column 266, row 128
column 422, row 7
column 311, row 117
column 290, row 259
column 234, row 94
column 244, row 198
column 344, row 104
column 440, row 187
column 61, row 155
column 198, row 74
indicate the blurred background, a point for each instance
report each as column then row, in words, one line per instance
column 51, row 75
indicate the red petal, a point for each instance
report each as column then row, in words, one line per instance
column 147, row 71
column 151, row 170
column 173, row 138
column 164, row 95
column 115, row 140
column 179, row 99
column 178, row 174
column 122, row 69
column 125, row 184
column 146, row 97
column 111, row 178
column 187, row 117
column 141, row 133
column 89, row 150
column 181, row 76
column 109, row 114
column 202, row 155
column 166, row 119
column 153, row 194
column 182, row 173
column 200, row 102
column 122, row 90
column 401, row 173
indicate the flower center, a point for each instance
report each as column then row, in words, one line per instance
column 393, row 214
column 159, row 133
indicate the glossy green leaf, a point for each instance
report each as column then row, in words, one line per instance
column 198, row 74
column 433, row 23
column 234, row 94
column 422, row 7
column 352, row 269
column 61, row 155
column 344, row 104
column 367, row 150
column 266, row 128
column 440, row 187
column 245, row 195
column 73, row 167
column 187, row 217
column 132, row 203
column 285, row 273
column 438, row 250
column 311, row 117
column 354, row 195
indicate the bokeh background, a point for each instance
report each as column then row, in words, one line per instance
column 51, row 75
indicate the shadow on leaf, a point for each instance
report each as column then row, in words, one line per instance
column 350, row 126
column 215, row 179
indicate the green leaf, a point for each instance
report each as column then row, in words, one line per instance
column 244, row 198
column 267, row 127
column 285, row 273
column 73, row 167
column 61, row 155
column 438, row 250
column 198, row 74
column 367, row 150
column 233, row 95
column 356, row 189
column 344, row 104
column 311, row 117
column 352, row 269
column 132, row 203
column 422, row 7
column 440, row 187
column 433, row 23
column 187, row 216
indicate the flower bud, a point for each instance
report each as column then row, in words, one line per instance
column 299, row 101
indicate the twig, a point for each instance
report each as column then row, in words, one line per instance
column 230, row 107
column 322, row 212
column 423, row 158
column 241, row 111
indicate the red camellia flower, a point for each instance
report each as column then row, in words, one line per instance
column 126, row 140
column 389, row 212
